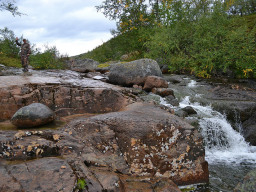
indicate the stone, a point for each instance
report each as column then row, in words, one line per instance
column 181, row 113
column 174, row 79
column 154, row 82
column 38, row 175
column 135, row 72
column 249, row 129
column 172, row 100
column 144, row 140
column 163, row 92
column 33, row 115
column 147, row 184
column 63, row 99
column 165, row 69
column 248, row 184
column 83, row 65
column 190, row 110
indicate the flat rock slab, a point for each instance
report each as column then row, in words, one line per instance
column 47, row 174
column 66, row 77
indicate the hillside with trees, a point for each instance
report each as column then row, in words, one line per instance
column 206, row 38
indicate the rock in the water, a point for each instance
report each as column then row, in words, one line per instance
column 249, row 129
column 84, row 65
column 33, row 115
column 172, row 100
column 248, row 184
column 154, row 82
column 163, row 92
column 135, row 72
column 174, row 79
column 190, row 110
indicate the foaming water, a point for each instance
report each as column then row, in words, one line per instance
column 192, row 83
column 222, row 142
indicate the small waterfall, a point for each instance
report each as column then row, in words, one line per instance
column 222, row 142
column 229, row 156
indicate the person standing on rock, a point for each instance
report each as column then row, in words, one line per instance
column 24, row 53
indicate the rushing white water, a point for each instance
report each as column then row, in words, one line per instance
column 222, row 142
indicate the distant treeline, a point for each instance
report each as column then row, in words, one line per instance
column 203, row 37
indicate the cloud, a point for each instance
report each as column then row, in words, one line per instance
column 74, row 26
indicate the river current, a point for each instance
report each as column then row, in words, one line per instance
column 229, row 156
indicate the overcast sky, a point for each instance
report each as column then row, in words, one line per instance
column 73, row 26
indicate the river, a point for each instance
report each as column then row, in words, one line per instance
column 229, row 156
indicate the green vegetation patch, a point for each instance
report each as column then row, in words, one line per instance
column 81, row 184
column 9, row 61
column 103, row 65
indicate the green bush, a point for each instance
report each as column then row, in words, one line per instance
column 214, row 44
column 7, row 43
column 49, row 59
column 9, row 61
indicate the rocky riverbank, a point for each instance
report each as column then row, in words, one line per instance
column 125, row 144
column 113, row 138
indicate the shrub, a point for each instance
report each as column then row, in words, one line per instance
column 49, row 59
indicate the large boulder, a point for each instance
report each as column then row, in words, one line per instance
column 33, row 115
column 83, row 65
column 135, row 72
column 146, row 141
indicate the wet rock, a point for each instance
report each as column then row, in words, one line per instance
column 174, row 78
column 154, row 82
column 148, row 184
column 165, row 69
column 181, row 113
column 47, row 174
column 135, row 72
column 249, row 130
column 33, row 115
column 236, row 102
column 248, row 184
column 172, row 100
column 163, row 92
column 190, row 110
column 83, row 65
column 151, row 98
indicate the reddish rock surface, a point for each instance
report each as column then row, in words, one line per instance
column 154, row 82
column 132, row 145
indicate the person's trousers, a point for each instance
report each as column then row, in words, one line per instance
column 24, row 62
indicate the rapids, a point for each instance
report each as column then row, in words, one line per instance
column 229, row 156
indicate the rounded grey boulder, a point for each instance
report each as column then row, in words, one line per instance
column 133, row 73
column 33, row 115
